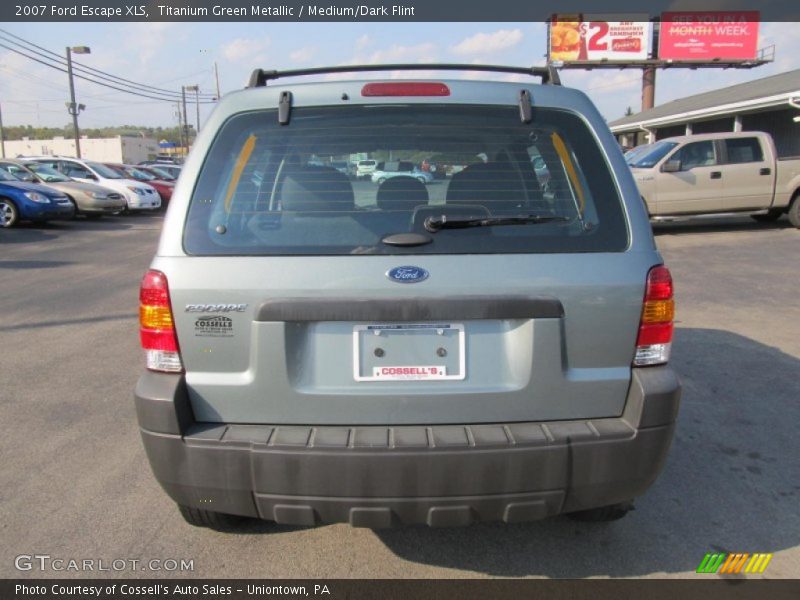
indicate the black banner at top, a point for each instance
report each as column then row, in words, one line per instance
column 361, row 10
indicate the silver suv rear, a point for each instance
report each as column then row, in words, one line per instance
column 491, row 346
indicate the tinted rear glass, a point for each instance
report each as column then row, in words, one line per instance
column 271, row 190
column 744, row 150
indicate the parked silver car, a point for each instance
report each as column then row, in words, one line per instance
column 322, row 351
column 387, row 170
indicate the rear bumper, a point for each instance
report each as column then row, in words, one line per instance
column 382, row 476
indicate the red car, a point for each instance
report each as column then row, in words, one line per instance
column 163, row 187
column 158, row 172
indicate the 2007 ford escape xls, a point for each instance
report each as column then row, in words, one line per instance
column 489, row 345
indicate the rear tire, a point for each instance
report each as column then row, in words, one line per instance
column 603, row 514
column 9, row 215
column 200, row 517
column 794, row 211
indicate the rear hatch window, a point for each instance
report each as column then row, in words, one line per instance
column 267, row 189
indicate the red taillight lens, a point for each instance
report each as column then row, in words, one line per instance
column 654, row 343
column 406, row 88
column 659, row 284
column 158, row 340
column 156, row 327
column 654, row 333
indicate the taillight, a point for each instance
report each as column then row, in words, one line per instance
column 654, row 342
column 156, row 327
column 406, row 88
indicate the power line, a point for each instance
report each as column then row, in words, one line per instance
column 49, row 84
column 99, row 74
column 108, row 85
column 146, row 93
column 36, row 80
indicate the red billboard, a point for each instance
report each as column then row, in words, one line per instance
column 707, row 36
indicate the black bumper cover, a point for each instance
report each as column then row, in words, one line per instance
column 380, row 476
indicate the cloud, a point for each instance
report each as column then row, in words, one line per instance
column 148, row 40
column 488, row 43
column 424, row 52
column 302, row 55
column 419, row 53
column 362, row 42
column 786, row 45
column 603, row 80
column 244, row 49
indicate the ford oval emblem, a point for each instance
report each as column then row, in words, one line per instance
column 407, row 274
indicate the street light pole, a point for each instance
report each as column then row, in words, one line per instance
column 196, row 89
column 73, row 108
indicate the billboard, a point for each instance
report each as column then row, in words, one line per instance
column 596, row 38
column 707, row 36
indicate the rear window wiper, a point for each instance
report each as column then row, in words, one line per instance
column 434, row 224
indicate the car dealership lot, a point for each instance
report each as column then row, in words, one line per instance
column 75, row 483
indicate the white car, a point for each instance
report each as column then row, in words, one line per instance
column 138, row 195
column 365, row 168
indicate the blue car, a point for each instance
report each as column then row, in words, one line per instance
column 23, row 201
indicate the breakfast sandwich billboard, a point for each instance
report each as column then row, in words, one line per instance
column 598, row 38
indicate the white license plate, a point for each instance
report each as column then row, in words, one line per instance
column 409, row 352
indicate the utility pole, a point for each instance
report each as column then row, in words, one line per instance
column 73, row 108
column 185, row 126
column 180, row 124
column 216, row 77
column 2, row 135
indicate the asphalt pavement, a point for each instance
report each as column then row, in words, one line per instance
column 75, row 483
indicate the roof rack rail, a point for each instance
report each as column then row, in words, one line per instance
column 549, row 74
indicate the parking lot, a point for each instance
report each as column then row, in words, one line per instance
column 75, row 482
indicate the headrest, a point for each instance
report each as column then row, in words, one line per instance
column 494, row 185
column 401, row 193
column 315, row 188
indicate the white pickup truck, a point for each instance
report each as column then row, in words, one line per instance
column 716, row 174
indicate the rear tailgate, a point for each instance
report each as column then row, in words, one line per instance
column 254, row 366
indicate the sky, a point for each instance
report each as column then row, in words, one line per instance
column 169, row 55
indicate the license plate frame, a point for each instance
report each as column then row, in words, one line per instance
column 449, row 334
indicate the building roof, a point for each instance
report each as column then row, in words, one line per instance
column 753, row 95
